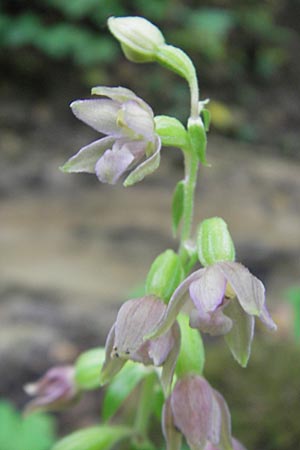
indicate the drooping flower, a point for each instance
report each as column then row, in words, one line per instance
column 135, row 319
column 226, row 298
column 128, row 123
column 53, row 391
column 199, row 413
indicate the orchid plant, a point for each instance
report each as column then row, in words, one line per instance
column 155, row 343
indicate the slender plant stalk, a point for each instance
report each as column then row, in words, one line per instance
column 144, row 409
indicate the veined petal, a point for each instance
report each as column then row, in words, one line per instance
column 208, row 291
column 239, row 339
column 214, row 323
column 100, row 114
column 85, row 160
column 192, row 407
column 225, row 438
column 249, row 290
column 111, row 166
column 138, row 120
column 145, row 168
column 135, row 319
column 111, row 366
column 174, row 306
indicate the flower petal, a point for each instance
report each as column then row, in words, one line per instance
column 145, row 168
column 135, row 319
column 267, row 319
column 85, row 160
column 192, row 407
column 111, row 366
column 174, row 306
column 239, row 339
column 111, row 166
column 225, row 437
column 214, row 323
column 249, row 290
column 100, row 114
column 138, row 119
column 208, row 291
column 119, row 94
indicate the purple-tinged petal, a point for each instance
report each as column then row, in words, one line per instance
column 214, row 323
column 249, row 290
column 98, row 114
column 111, row 166
column 175, row 304
column 118, row 94
column 85, row 160
column 225, row 437
column 172, row 436
column 267, row 319
column 135, row 319
column 54, row 391
column 146, row 167
column 239, row 339
column 138, row 120
column 112, row 364
column 192, row 407
column 121, row 95
column 208, row 292
column 160, row 348
column 236, row 445
column 170, row 362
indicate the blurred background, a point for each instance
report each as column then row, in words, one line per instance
column 71, row 250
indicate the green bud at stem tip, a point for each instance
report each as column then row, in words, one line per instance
column 214, row 242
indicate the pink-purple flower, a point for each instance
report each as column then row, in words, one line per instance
column 125, row 341
column 225, row 297
column 199, row 413
column 130, row 144
column 55, row 390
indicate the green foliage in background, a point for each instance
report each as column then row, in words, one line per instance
column 266, row 395
column 35, row 432
column 238, row 34
column 293, row 295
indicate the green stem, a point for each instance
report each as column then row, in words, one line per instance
column 194, row 90
column 190, row 180
column 144, row 409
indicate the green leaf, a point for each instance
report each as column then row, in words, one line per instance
column 88, row 367
column 206, row 118
column 120, row 387
column 34, row 432
column 101, row 437
column 197, row 135
column 177, row 206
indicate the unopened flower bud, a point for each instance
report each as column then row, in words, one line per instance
column 214, row 242
column 139, row 38
column 165, row 275
column 54, row 391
